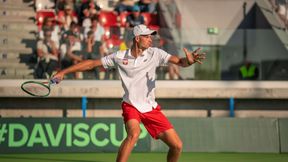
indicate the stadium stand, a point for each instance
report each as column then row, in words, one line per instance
column 18, row 12
column 32, row 17
column 17, row 39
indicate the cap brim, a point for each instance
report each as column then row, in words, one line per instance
column 151, row 32
column 154, row 32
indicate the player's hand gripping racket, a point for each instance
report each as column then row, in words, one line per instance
column 37, row 88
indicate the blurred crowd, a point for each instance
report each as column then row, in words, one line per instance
column 70, row 31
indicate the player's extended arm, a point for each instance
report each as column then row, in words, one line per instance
column 191, row 58
column 82, row 66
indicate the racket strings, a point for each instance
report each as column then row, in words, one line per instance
column 36, row 89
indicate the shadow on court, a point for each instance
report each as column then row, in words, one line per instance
column 19, row 158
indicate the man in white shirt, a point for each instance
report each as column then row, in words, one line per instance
column 137, row 68
column 71, row 53
column 97, row 29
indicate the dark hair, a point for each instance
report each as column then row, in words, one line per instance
column 45, row 21
column 73, row 24
column 90, row 33
column 95, row 17
column 47, row 28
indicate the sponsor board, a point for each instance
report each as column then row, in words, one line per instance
column 66, row 135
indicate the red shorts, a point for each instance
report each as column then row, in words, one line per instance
column 154, row 121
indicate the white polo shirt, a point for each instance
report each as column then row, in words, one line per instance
column 138, row 75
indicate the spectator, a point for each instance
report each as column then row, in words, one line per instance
column 92, row 47
column 67, row 17
column 91, row 6
column 148, row 5
column 75, row 30
column 86, row 19
column 169, row 45
column 97, row 47
column 124, row 6
column 71, row 53
column 49, row 24
column 97, row 28
column 248, row 71
column 135, row 18
column 173, row 70
column 47, row 53
column 60, row 5
column 92, row 50
column 70, row 2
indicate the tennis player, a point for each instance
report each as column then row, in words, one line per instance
column 137, row 69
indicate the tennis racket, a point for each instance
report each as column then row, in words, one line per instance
column 37, row 88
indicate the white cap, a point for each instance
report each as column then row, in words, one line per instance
column 142, row 30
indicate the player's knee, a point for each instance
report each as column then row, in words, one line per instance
column 177, row 146
column 133, row 136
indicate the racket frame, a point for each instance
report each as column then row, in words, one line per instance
column 43, row 84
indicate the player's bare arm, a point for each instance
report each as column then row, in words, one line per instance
column 82, row 66
column 191, row 58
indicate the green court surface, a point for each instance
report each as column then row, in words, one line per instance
column 144, row 157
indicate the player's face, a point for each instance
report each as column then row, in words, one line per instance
column 145, row 41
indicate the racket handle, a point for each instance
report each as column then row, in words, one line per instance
column 54, row 81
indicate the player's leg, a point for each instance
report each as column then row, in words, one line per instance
column 159, row 127
column 133, row 132
column 171, row 138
